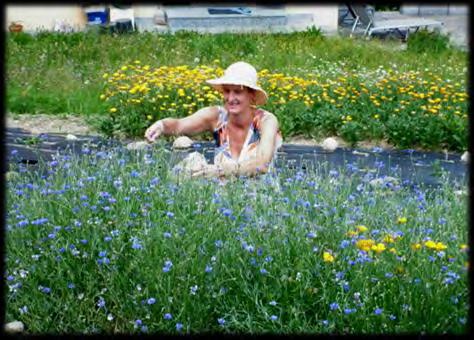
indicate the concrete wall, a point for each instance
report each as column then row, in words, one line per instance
column 325, row 17
column 438, row 9
column 35, row 18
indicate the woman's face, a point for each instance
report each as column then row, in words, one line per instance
column 237, row 99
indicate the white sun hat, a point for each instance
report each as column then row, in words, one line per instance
column 240, row 73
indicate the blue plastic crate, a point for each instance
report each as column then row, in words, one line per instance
column 97, row 18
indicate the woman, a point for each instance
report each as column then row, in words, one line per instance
column 246, row 137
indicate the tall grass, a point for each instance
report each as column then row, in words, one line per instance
column 108, row 242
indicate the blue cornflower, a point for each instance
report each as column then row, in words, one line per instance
column 273, row 317
column 218, row 244
column 272, row 303
column 71, row 285
column 167, row 316
column 166, row 234
column 378, row 311
column 208, row 269
column 169, row 214
column 221, row 321
column 392, row 317
column 151, row 301
column 179, row 326
column 349, row 310
column 268, row 259
column 107, row 238
column 325, row 322
column 311, row 235
column 101, row 302
column 23, row 223
column 334, row 306
column 138, row 322
column 103, row 253
column 344, row 244
column 263, row 271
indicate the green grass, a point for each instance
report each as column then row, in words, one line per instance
column 87, row 245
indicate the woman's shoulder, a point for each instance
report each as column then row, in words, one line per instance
column 262, row 115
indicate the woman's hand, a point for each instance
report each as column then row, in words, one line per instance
column 208, row 171
column 214, row 171
column 154, row 131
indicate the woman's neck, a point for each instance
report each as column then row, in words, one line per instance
column 242, row 120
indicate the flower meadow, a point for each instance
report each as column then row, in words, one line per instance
column 107, row 241
column 405, row 107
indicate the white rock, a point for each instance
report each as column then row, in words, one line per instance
column 182, row 142
column 14, row 327
column 460, row 192
column 383, row 181
column 465, row 157
column 193, row 162
column 355, row 152
column 330, row 144
column 71, row 137
column 137, row 145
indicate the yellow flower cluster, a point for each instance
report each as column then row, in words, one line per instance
column 181, row 90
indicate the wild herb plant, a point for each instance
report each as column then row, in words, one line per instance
column 353, row 88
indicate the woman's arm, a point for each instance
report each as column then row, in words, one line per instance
column 202, row 120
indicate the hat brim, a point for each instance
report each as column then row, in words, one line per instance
column 261, row 96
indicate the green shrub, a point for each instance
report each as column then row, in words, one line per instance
column 425, row 41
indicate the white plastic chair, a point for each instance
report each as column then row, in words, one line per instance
column 121, row 15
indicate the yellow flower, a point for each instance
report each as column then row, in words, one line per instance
column 105, row 75
column 352, row 233
column 393, row 251
column 464, row 247
column 402, row 220
column 376, row 116
column 388, row 239
column 416, row 246
column 102, row 96
column 113, row 110
column 327, row 257
column 380, row 247
column 365, row 245
column 149, row 117
column 362, row 228
column 124, row 68
column 435, row 245
column 430, row 244
column 348, row 118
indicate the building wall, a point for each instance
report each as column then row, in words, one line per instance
column 35, row 18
